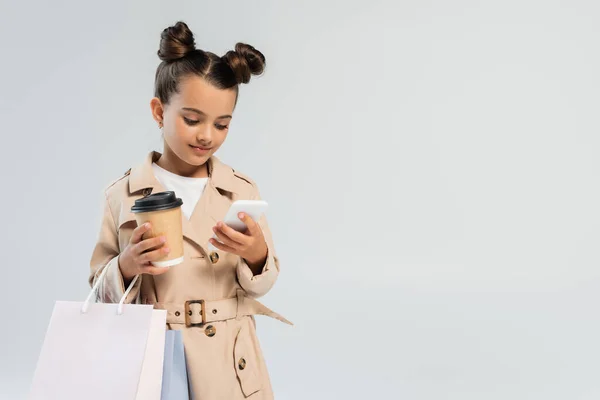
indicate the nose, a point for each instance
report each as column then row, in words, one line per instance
column 204, row 134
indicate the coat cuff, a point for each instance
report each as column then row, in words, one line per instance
column 257, row 285
column 112, row 289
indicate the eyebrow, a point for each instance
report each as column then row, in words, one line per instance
column 203, row 113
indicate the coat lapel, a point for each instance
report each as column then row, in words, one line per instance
column 211, row 207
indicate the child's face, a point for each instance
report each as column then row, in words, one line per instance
column 196, row 120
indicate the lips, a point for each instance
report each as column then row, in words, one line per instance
column 200, row 150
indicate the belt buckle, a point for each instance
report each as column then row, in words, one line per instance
column 188, row 312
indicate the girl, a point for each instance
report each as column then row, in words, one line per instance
column 211, row 296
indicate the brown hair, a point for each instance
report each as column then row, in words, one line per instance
column 180, row 59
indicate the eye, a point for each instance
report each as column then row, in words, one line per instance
column 190, row 122
column 221, row 127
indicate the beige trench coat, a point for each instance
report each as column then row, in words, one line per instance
column 210, row 297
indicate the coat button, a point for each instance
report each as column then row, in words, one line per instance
column 241, row 364
column 210, row 331
column 177, row 313
column 214, row 257
column 147, row 191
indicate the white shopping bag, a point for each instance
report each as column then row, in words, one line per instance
column 96, row 351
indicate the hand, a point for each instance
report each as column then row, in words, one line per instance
column 137, row 257
column 250, row 245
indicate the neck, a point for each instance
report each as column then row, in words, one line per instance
column 169, row 161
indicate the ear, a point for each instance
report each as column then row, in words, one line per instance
column 157, row 110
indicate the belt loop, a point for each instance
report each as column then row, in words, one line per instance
column 240, row 303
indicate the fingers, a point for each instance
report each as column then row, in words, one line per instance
column 222, row 246
column 151, row 243
column 153, row 255
column 250, row 223
column 229, row 236
column 138, row 233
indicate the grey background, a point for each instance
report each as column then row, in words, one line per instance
column 431, row 169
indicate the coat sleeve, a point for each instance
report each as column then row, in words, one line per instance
column 259, row 285
column 105, row 255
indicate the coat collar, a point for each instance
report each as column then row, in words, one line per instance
column 142, row 177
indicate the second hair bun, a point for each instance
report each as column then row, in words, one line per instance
column 245, row 61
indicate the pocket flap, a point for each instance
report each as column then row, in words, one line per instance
column 246, row 362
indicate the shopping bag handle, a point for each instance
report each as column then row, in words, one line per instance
column 86, row 303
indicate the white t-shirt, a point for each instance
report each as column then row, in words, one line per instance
column 187, row 189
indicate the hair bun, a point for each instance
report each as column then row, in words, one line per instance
column 175, row 42
column 245, row 61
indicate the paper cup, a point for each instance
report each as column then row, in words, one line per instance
column 163, row 211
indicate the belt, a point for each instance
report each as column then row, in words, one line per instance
column 196, row 313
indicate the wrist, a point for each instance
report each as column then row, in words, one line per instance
column 257, row 264
column 127, row 277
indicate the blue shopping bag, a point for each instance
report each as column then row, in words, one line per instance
column 175, row 377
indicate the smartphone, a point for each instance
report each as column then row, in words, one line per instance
column 253, row 208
